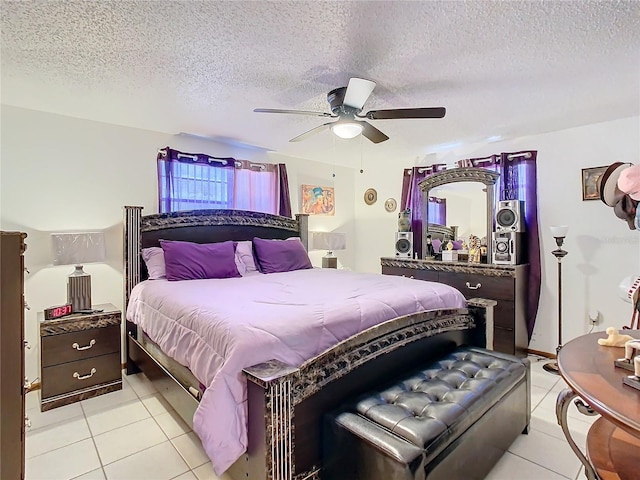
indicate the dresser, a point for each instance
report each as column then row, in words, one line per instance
column 506, row 284
column 80, row 356
column 12, row 378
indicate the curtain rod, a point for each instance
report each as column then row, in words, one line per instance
column 514, row 155
column 223, row 161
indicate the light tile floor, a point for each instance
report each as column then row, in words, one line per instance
column 133, row 434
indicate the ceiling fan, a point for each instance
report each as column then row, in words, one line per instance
column 346, row 105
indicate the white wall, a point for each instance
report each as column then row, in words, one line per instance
column 60, row 173
column 376, row 227
column 602, row 249
column 306, row 172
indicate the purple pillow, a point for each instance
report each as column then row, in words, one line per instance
column 457, row 244
column 275, row 256
column 154, row 260
column 193, row 261
column 436, row 242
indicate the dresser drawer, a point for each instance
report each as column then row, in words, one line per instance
column 70, row 347
column 60, row 379
column 482, row 286
column 411, row 273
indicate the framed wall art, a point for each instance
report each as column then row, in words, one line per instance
column 318, row 200
column 590, row 182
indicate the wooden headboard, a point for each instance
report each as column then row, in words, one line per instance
column 441, row 232
column 199, row 226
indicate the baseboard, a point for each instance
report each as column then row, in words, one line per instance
column 540, row 354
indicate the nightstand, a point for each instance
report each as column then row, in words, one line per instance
column 80, row 356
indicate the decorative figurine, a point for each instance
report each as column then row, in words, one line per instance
column 404, row 220
column 631, row 361
column 430, row 250
column 474, row 249
column 631, row 349
column 615, row 339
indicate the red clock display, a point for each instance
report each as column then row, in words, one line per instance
column 57, row 312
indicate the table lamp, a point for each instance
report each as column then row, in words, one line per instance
column 78, row 249
column 330, row 241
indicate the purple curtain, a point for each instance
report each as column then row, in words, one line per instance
column 284, row 204
column 518, row 181
column 438, row 210
column 192, row 181
column 412, row 198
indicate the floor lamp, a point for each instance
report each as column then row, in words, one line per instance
column 558, row 233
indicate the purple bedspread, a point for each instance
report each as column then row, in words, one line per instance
column 218, row 327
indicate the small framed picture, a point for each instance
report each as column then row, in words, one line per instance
column 590, row 182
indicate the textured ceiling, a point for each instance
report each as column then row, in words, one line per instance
column 507, row 69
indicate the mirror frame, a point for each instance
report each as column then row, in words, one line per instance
column 455, row 175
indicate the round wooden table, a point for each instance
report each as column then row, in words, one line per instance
column 613, row 441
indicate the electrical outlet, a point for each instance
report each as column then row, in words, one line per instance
column 594, row 317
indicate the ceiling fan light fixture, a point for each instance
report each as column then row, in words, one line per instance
column 347, row 129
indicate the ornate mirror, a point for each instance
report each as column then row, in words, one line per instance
column 470, row 192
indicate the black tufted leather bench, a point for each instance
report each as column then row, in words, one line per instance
column 452, row 419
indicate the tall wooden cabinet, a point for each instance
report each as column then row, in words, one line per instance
column 506, row 284
column 12, row 379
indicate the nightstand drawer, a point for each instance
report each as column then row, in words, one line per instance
column 74, row 346
column 68, row 377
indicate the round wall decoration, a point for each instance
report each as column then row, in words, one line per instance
column 390, row 205
column 370, row 196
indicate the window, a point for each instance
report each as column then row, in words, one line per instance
column 189, row 181
column 191, row 186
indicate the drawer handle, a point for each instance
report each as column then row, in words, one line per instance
column 86, row 347
column 84, row 377
column 478, row 285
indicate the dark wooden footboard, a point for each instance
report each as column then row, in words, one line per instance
column 287, row 404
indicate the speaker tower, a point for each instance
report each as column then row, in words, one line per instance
column 510, row 216
column 508, row 248
column 404, row 244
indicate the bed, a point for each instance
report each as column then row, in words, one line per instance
column 286, row 390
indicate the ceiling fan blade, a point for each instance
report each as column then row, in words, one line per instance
column 311, row 132
column 431, row 112
column 372, row 133
column 357, row 92
column 295, row 112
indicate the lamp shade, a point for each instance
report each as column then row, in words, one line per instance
column 347, row 129
column 559, row 231
column 78, row 248
column 328, row 241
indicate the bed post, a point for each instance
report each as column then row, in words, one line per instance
column 271, row 433
column 303, row 223
column 482, row 311
column 132, row 245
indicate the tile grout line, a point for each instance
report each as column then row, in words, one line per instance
column 93, row 440
column 541, row 466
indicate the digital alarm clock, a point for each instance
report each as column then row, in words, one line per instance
column 52, row 313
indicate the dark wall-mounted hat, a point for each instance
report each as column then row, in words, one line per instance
column 625, row 210
column 610, row 194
